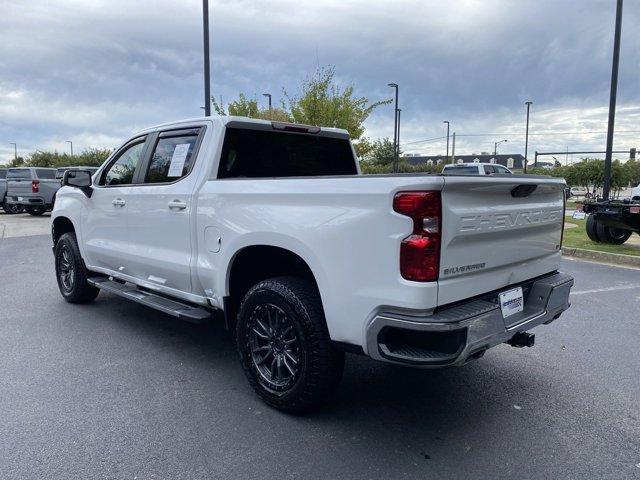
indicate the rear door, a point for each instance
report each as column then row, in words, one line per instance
column 497, row 231
column 106, row 228
column 160, row 212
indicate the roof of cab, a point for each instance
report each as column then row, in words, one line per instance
column 225, row 119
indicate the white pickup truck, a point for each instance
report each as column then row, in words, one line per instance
column 272, row 227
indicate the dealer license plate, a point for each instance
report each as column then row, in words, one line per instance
column 511, row 302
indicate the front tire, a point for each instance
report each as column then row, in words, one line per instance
column 71, row 271
column 284, row 344
column 36, row 211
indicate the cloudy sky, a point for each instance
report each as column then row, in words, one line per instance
column 96, row 71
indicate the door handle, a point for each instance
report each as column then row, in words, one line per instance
column 177, row 204
column 118, row 202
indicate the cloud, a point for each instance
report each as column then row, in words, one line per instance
column 96, row 71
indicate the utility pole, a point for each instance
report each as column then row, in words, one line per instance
column 453, row 149
column 526, row 137
column 268, row 95
column 395, row 129
column 207, row 73
column 15, row 151
column 612, row 102
column 448, row 125
column 70, row 143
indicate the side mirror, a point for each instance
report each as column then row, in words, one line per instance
column 78, row 179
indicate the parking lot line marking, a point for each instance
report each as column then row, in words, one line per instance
column 606, row 289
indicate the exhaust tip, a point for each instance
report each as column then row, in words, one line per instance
column 522, row 339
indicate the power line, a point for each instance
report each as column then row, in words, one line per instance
column 503, row 134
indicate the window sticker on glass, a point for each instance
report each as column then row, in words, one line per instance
column 177, row 159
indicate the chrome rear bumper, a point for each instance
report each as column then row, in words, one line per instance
column 455, row 334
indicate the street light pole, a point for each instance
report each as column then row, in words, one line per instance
column 395, row 129
column 268, row 95
column 453, row 150
column 207, row 73
column 398, row 150
column 526, row 137
column 71, row 144
column 15, row 151
column 448, row 125
column 495, row 146
column 612, row 102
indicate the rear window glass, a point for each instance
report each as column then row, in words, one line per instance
column 171, row 159
column 3, row 174
column 263, row 153
column 461, row 170
column 18, row 173
column 45, row 174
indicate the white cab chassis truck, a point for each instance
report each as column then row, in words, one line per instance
column 272, row 226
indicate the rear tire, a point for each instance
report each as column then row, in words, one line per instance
column 284, row 344
column 12, row 208
column 592, row 231
column 616, row 236
column 71, row 271
column 36, row 211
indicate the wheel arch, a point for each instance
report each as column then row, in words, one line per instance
column 59, row 226
column 254, row 263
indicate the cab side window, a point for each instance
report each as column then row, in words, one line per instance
column 122, row 170
column 172, row 158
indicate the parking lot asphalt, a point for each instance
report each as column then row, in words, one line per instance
column 115, row 390
column 24, row 225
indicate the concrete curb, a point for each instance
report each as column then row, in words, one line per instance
column 615, row 258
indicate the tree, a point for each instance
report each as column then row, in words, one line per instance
column 380, row 152
column 324, row 103
column 320, row 101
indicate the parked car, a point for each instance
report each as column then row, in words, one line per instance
column 475, row 169
column 635, row 193
column 270, row 226
column 8, row 208
column 578, row 191
column 33, row 188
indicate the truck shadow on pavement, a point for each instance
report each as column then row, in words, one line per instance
column 415, row 398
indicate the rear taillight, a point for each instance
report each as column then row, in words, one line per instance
column 420, row 251
column 35, row 186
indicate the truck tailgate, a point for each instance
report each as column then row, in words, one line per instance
column 497, row 231
column 17, row 187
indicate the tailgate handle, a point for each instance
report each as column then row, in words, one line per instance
column 523, row 191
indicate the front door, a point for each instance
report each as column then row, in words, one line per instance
column 106, row 227
column 160, row 213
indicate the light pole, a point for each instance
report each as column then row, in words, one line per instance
column 612, row 102
column 71, row 144
column 395, row 129
column 268, row 95
column 526, row 136
column 448, row 125
column 495, row 146
column 398, row 150
column 15, row 151
column 207, row 74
